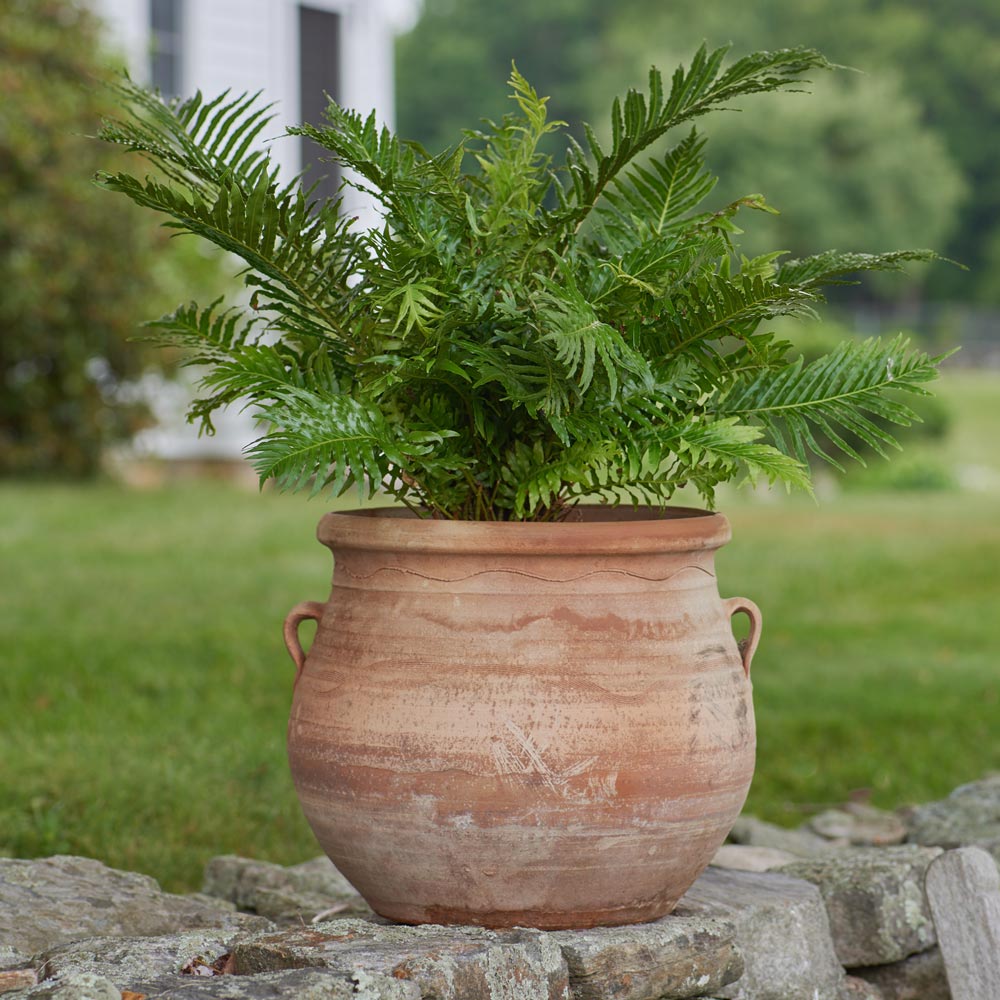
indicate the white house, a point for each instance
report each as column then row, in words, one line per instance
column 295, row 52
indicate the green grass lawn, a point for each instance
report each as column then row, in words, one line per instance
column 145, row 688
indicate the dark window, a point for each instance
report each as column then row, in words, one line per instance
column 166, row 38
column 319, row 77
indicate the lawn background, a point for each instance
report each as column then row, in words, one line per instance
column 144, row 687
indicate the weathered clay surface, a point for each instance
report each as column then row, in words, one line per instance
column 285, row 895
column 969, row 817
column 919, row 977
column 875, row 901
column 742, row 858
column 754, row 832
column 859, row 824
column 446, row 963
column 675, row 957
column 53, row 901
column 554, row 729
column 781, row 929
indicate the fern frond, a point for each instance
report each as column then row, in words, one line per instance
column 275, row 235
column 835, row 394
column 660, row 457
column 531, row 378
column 200, row 145
column 213, row 332
column 653, row 200
column 535, row 483
column 718, row 306
column 215, row 185
column 360, row 143
column 325, row 440
column 568, row 321
column 834, row 268
column 695, row 91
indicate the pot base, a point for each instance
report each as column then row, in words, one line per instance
column 539, row 919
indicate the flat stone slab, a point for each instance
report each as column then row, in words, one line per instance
column 12, row 958
column 670, row 959
column 969, row 817
column 743, row 858
column 875, row 901
column 53, row 901
column 286, row 895
column 128, row 962
column 919, row 977
column 447, row 963
column 781, row 928
column 293, row 984
column 84, row 986
column 17, row 979
column 859, row 824
column 963, row 889
column 754, row 832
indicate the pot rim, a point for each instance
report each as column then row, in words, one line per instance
column 591, row 529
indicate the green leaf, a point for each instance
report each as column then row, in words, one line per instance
column 837, row 394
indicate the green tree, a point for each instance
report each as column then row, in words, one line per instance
column 78, row 274
column 923, row 106
column 940, row 55
column 451, row 68
column 839, row 166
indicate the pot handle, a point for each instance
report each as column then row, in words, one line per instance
column 300, row 613
column 747, row 646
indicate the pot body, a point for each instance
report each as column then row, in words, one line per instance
column 544, row 725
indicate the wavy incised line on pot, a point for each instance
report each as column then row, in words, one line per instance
column 521, row 572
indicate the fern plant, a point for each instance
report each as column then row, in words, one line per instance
column 520, row 335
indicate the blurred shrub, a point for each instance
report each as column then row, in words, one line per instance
column 908, row 473
column 78, row 270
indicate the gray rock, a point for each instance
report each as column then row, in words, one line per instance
column 963, row 891
column 875, row 901
column 860, row 989
column 84, row 986
column 455, row 963
column 802, row 843
column 919, row 977
column 969, row 817
column 675, row 957
column 291, row 984
column 17, row 979
column 53, row 901
column 11, row 958
column 859, row 824
column 781, row 929
column 286, row 895
column 130, row 961
column 743, row 858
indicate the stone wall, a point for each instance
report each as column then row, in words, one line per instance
column 834, row 910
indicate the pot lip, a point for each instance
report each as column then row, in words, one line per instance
column 591, row 529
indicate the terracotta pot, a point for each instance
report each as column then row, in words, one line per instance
column 545, row 725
